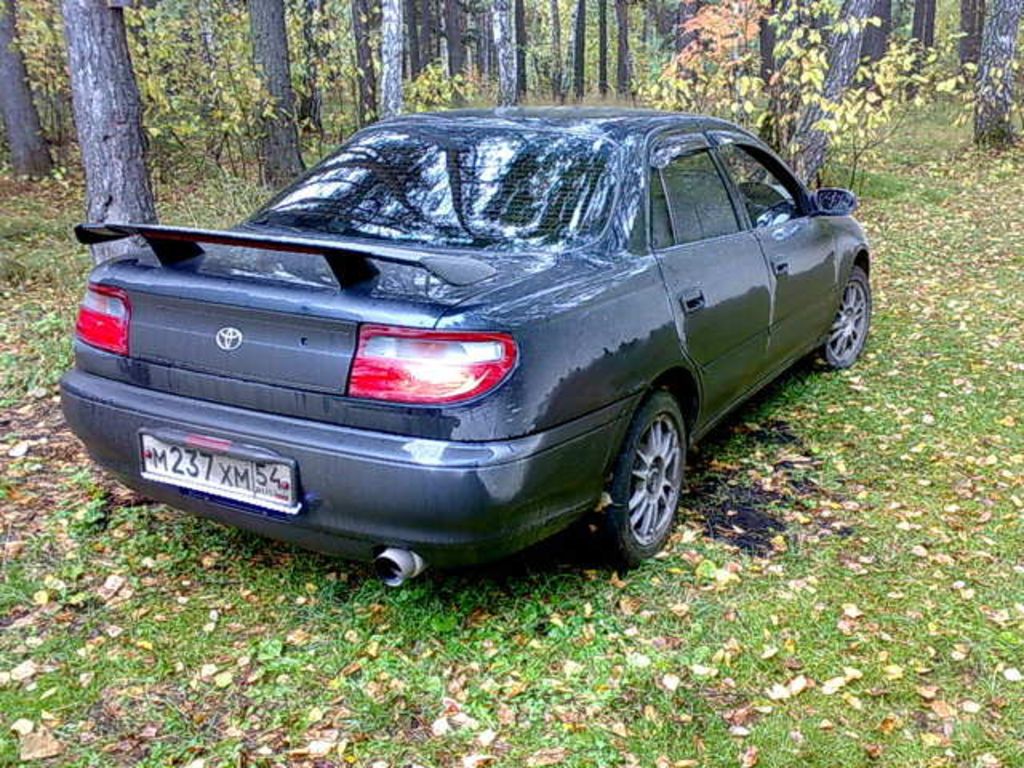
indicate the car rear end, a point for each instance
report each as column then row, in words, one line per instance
column 260, row 389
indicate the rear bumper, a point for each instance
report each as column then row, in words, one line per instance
column 455, row 503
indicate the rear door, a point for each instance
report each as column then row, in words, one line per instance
column 799, row 248
column 713, row 269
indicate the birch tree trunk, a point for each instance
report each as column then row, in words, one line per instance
column 622, row 68
column 993, row 93
column 279, row 147
column 972, row 23
column 557, row 85
column 366, row 78
column 108, row 117
column 504, row 45
column 521, row 42
column 810, row 142
column 579, row 50
column 29, row 154
column 391, row 58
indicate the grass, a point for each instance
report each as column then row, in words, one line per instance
column 846, row 587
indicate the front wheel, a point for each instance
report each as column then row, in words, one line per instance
column 647, row 481
column 849, row 330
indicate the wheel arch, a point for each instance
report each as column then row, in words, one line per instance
column 683, row 386
column 863, row 260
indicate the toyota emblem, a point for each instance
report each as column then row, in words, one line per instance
column 229, row 338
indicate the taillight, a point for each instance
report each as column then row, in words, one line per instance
column 412, row 366
column 104, row 317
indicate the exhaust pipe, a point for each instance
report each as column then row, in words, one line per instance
column 394, row 566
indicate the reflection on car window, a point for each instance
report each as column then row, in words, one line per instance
column 767, row 200
column 482, row 188
column 698, row 203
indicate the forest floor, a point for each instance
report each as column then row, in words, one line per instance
column 845, row 588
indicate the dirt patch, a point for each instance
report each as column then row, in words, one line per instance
column 762, row 512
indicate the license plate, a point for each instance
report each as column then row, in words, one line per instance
column 262, row 483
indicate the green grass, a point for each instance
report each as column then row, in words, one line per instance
column 899, row 573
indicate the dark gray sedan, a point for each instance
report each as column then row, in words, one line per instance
column 463, row 331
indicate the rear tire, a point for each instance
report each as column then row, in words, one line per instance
column 849, row 331
column 647, row 482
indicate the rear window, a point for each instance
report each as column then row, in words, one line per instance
column 489, row 189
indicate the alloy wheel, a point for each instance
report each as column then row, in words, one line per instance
column 850, row 326
column 657, row 477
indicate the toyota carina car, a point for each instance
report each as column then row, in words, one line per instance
column 463, row 331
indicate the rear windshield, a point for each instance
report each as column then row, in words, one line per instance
column 461, row 187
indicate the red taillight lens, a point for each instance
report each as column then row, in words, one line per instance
column 405, row 365
column 104, row 317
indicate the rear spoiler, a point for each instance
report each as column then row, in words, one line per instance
column 346, row 258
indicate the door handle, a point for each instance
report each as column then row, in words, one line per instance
column 781, row 267
column 692, row 300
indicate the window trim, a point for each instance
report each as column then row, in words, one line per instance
column 688, row 144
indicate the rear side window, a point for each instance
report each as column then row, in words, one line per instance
column 689, row 202
column 767, row 198
column 457, row 186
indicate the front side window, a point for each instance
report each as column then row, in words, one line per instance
column 689, row 202
column 460, row 186
column 767, row 199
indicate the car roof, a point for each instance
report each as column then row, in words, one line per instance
column 617, row 123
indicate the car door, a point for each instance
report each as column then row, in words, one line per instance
column 713, row 269
column 799, row 248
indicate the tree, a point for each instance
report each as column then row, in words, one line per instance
column 280, row 160
column 413, row 38
column 972, row 22
column 622, row 75
column 602, row 47
column 557, row 89
column 391, row 58
column 876, row 38
column 923, row 26
column 521, row 42
column 579, row 50
column 993, row 93
column 504, row 45
column 108, row 117
column 453, row 30
column 427, row 24
column 311, row 101
column 684, row 35
column 844, row 43
column 366, row 78
column 29, row 154
column 766, row 41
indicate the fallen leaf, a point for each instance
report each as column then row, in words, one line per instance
column 24, row 671
column 22, row 726
column 751, row 756
column 39, row 745
column 547, row 756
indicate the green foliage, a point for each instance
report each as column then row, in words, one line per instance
column 436, row 89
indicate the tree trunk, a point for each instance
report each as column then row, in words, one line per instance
column 557, row 85
column 427, row 51
column 453, row 29
column 876, row 39
column 366, row 78
column 685, row 11
column 766, row 42
column 579, row 50
column 391, row 57
column 812, row 143
column 622, row 76
column 29, row 154
column 311, row 103
column 521, row 42
column 504, row 44
column 972, row 22
column 108, row 116
column 602, row 48
column 923, row 26
column 279, row 146
column 993, row 94
column 412, row 35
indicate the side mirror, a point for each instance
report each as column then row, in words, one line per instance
column 833, row 201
